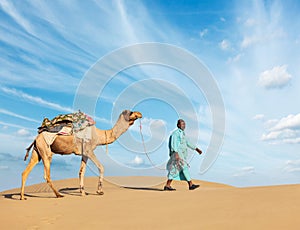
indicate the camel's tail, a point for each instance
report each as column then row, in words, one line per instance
column 28, row 149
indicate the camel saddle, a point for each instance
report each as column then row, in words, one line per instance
column 77, row 121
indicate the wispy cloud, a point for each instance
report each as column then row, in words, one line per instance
column 23, row 133
column 251, row 40
column 259, row 117
column 222, row 19
column 292, row 166
column 245, row 171
column 36, row 100
column 250, row 22
column 11, row 10
column 13, row 125
column 203, row 33
column 225, row 44
column 235, row 58
column 6, row 112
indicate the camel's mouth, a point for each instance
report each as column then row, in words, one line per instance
column 133, row 116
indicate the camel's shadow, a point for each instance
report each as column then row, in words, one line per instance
column 16, row 196
column 71, row 192
column 75, row 192
column 65, row 191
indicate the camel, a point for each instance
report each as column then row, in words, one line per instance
column 65, row 145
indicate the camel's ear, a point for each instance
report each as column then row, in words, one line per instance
column 126, row 114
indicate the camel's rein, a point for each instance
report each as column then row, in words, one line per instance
column 145, row 150
column 143, row 142
column 144, row 146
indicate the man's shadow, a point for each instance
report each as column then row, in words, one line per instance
column 144, row 189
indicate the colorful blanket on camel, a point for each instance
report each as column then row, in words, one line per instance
column 78, row 121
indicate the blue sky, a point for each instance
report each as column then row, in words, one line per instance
column 250, row 47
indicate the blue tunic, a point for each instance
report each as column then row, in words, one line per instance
column 178, row 170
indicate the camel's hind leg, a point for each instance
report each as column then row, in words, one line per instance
column 46, row 155
column 81, row 174
column 47, row 177
column 35, row 158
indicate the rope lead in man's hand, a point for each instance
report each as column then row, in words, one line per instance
column 199, row 151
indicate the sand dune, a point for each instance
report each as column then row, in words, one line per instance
column 142, row 204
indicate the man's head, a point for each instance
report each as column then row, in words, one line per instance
column 181, row 124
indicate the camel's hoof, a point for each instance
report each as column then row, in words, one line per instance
column 100, row 192
column 23, row 198
column 59, row 196
column 83, row 193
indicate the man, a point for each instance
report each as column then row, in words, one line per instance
column 177, row 166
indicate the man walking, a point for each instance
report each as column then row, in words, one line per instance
column 177, row 166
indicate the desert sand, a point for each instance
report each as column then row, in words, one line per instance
column 212, row 206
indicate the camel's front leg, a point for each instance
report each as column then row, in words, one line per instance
column 81, row 174
column 100, row 167
column 33, row 161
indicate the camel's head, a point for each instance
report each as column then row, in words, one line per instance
column 131, row 116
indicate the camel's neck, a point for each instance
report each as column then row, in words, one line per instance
column 109, row 136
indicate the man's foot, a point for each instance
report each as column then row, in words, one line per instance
column 169, row 188
column 194, row 186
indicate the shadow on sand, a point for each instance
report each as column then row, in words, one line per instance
column 145, row 189
column 75, row 192
column 67, row 191
column 16, row 196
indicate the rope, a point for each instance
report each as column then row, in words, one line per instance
column 188, row 163
column 106, row 142
column 93, row 171
column 143, row 141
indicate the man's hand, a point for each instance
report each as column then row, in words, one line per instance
column 199, row 151
column 177, row 158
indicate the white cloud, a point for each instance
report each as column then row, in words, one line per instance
column 4, row 127
column 146, row 124
column 285, row 130
column 292, row 166
column 289, row 122
column 270, row 123
column 236, row 58
column 23, row 132
column 3, row 167
column 249, row 40
column 137, row 160
column 245, row 171
column 250, row 22
column 282, row 134
column 203, row 33
column 259, row 117
column 276, row 77
column 292, row 141
column 224, row 45
column 222, row 19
